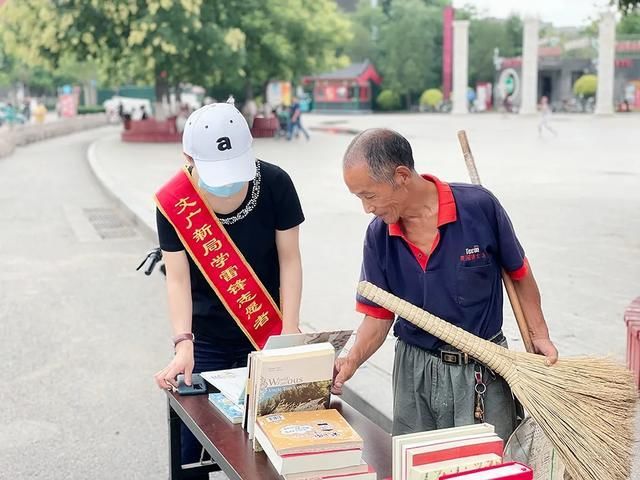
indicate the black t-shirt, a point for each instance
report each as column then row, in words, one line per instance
column 271, row 204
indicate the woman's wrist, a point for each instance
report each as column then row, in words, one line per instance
column 183, row 338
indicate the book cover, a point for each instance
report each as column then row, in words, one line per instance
column 430, row 436
column 248, row 399
column 443, row 450
column 332, row 474
column 433, row 471
column 337, row 338
column 370, row 474
column 290, row 379
column 232, row 411
column 506, row 471
column 231, row 383
column 308, row 461
column 292, row 433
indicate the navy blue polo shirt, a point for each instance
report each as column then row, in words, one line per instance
column 460, row 280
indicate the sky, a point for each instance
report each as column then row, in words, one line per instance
column 561, row 13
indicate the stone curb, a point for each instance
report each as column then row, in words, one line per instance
column 26, row 134
column 118, row 194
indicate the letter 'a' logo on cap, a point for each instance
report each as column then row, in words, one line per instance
column 224, row 143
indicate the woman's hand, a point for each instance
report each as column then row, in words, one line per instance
column 182, row 363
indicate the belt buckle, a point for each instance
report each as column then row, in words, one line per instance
column 454, row 358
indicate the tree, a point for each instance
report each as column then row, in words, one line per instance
column 170, row 41
column 388, row 100
column 629, row 24
column 431, row 98
column 487, row 34
column 409, row 56
column 628, row 6
column 287, row 39
column 38, row 80
column 586, row 86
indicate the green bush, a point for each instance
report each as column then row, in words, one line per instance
column 431, row 98
column 586, row 86
column 388, row 100
column 85, row 109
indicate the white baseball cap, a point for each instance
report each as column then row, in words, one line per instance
column 218, row 139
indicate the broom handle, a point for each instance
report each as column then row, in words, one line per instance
column 506, row 279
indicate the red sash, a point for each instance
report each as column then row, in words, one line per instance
column 222, row 264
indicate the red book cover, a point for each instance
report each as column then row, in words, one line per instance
column 506, row 471
column 447, row 450
column 494, row 446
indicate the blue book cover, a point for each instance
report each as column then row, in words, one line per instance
column 229, row 409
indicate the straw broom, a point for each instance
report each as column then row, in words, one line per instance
column 521, row 320
column 508, row 283
column 585, row 406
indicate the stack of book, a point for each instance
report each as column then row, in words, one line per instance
column 282, row 399
column 313, row 445
column 288, row 380
column 430, row 455
column 231, row 385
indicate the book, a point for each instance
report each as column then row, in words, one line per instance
column 305, row 441
column 311, row 431
column 248, row 397
column 450, row 449
column 289, row 379
column 355, row 472
column 232, row 411
column 410, row 438
column 337, row 338
column 231, row 383
column 433, row 471
column 506, row 471
column 370, row 474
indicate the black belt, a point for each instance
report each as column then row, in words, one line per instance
column 452, row 356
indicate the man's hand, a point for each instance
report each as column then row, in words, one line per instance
column 182, row 363
column 545, row 346
column 287, row 330
column 344, row 369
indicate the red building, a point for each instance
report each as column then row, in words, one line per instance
column 350, row 89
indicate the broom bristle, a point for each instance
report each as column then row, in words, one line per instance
column 585, row 406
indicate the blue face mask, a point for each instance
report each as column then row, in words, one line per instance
column 224, row 190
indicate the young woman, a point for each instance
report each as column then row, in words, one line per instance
column 228, row 228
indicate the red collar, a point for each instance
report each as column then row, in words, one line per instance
column 446, row 206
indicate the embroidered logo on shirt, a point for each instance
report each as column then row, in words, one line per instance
column 473, row 253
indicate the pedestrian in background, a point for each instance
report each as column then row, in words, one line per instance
column 545, row 116
column 295, row 120
column 40, row 113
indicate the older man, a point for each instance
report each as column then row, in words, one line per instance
column 442, row 247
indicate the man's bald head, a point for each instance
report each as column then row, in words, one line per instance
column 382, row 150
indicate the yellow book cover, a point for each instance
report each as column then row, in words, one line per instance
column 309, row 431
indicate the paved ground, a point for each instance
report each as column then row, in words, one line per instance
column 82, row 331
column 574, row 201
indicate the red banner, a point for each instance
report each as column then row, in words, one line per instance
column 222, row 264
column 447, row 50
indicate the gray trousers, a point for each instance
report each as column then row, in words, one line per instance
column 429, row 394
